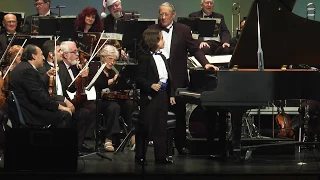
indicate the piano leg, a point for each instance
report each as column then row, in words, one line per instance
column 237, row 114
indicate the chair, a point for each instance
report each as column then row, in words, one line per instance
column 171, row 124
column 43, row 147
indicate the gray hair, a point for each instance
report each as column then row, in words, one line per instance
column 65, row 45
column 167, row 4
column 203, row 1
column 109, row 50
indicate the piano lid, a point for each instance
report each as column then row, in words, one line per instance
column 286, row 38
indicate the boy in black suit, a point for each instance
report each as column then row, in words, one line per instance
column 154, row 81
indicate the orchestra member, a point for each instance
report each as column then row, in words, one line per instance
column 154, row 82
column 179, row 42
column 43, row 9
column 116, row 13
column 88, row 21
column 224, row 34
column 234, row 40
column 85, row 113
column 11, row 54
column 112, row 108
column 35, row 103
column 10, row 25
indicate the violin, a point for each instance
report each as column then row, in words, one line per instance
column 80, row 83
column 117, row 95
column 284, row 122
column 52, row 79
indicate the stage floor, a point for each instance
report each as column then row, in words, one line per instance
column 190, row 167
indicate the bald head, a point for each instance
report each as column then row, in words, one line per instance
column 10, row 23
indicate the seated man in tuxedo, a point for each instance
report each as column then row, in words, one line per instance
column 116, row 13
column 10, row 24
column 219, row 45
column 37, row 107
column 43, row 9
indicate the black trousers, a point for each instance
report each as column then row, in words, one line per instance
column 216, row 48
column 153, row 125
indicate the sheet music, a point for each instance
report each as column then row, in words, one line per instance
column 91, row 94
column 112, row 36
column 223, row 59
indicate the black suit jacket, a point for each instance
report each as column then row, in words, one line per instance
column 148, row 75
column 4, row 42
column 36, row 106
column 65, row 78
column 102, row 80
column 224, row 32
column 182, row 43
column 27, row 23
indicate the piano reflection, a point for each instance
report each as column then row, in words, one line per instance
column 287, row 41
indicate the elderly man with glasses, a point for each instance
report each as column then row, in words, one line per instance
column 43, row 9
column 218, row 45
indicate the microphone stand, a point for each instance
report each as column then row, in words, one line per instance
column 98, row 95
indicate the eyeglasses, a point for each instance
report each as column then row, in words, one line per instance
column 164, row 15
column 208, row 3
column 39, row 4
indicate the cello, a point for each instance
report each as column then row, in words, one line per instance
column 284, row 122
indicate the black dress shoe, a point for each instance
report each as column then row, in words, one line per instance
column 140, row 162
column 86, row 148
column 183, row 151
column 164, row 161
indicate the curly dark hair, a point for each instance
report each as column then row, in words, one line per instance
column 150, row 39
column 80, row 21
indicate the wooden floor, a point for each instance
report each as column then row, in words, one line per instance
column 303, row 165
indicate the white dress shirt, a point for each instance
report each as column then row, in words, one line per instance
column 69, row 71
column 162, row 70
column 167, row 37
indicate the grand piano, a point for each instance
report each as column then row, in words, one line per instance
column 291, row 58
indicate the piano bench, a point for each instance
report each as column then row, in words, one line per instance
column 171, row 125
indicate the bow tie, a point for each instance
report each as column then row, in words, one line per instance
column 207, row 16
column 166, row 29
column 158, row 53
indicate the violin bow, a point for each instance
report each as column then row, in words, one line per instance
column 7, row 49
column 55, row 57
column 14, row 60
column 91, row 57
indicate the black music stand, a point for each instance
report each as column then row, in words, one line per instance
column 98, row 99
column 60, row 26
column 201, row 26
column 36, row 40
column 132, row 31
column 126, row 78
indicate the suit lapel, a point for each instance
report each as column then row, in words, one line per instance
column 174, row 40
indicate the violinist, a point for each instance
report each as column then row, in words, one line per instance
column 69, row 68
column 11, row 54
column 109, row 55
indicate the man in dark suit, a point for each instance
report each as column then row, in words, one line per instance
column 10, row 24
column 37, row 107
column 178, row 41
column 116, row 13
column 43, row 9
column 218, row 46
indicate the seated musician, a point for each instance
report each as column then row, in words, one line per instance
column 114, row 107
column 10, row 25
column 83, row 117
column 224, row 35
column 116, row 13
column 88, row 21
column 43, row 9
column 11, row 54
column 313, row 123
column 37, row 107
column 234, row 40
